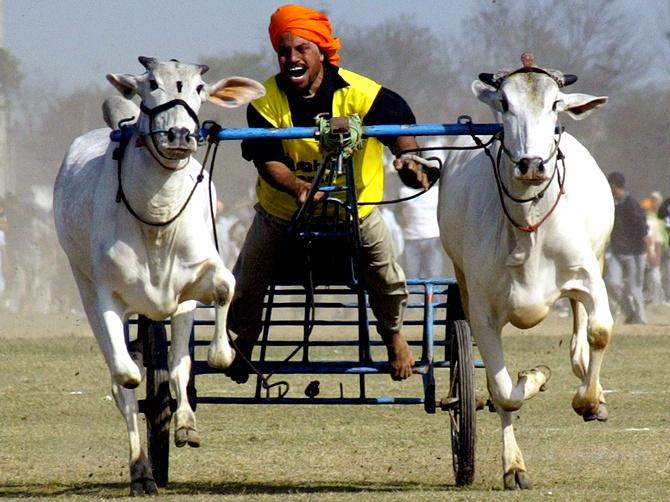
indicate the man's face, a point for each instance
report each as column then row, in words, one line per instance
column 301, row 62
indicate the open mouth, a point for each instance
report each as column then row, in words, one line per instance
column 177, row 152
column 296, row 72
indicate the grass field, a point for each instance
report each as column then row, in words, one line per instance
column 62, row 436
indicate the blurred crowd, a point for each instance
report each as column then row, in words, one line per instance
column 637, row 261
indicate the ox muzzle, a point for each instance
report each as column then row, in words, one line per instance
column 175, row 142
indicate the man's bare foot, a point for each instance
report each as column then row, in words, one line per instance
column 400, row 356
column 238, row 371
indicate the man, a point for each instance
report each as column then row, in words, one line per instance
column 625, row 260
column 310, row 83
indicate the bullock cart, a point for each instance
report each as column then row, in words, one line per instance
column 318, row 290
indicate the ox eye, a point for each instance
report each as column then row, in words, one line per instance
column 200, row 88
column 554, row 107
column 504, row 104
column 153, row 84
column 179, row 85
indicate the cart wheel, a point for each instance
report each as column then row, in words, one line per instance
column 462, row 393
column 157, row 402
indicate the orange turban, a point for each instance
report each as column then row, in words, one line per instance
column 306, row 23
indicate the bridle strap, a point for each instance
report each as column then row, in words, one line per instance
column 540, row 194
column 502, row 190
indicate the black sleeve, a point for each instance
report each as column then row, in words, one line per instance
column 261, row 150
column 389, row 108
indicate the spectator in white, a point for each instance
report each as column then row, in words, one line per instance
column 224, row 222
column 424, row 255
column 626, row 256
column 653, row 288
column 395, row 229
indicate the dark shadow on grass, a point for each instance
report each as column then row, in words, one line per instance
column 120, row 490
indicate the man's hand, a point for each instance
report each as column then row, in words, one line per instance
column 411, row 173
column 302, row 192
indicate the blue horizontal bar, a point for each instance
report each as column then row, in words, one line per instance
column 368, row 131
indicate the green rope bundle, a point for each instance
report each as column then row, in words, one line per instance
column 331, row 142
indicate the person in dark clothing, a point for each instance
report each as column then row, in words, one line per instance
column 626, row 255
column 310, row 82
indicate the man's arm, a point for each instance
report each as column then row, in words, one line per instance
column 282, row 178
column 390, row 108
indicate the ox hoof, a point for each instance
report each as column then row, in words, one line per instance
column 516, row 480
column 600, row 415
column 186, row 436
column 218, row 358
column 143, row 486
column 545, row 371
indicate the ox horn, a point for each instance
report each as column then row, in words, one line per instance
column 147, row 62
column 568, row 79
column 489, row 79
column 203, row 68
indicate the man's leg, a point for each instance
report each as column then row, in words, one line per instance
column 253, row 273
column 614, row 281
column 387, row 290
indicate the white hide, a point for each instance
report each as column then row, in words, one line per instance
column 507, row 275
column 123, row 266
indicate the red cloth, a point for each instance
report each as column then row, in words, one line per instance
column 306, row 23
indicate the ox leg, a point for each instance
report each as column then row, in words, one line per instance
column 507, row 398
column 180, row 372
column 113, row 346
column 220, row 353
column 590, row 338
column 104, row 316
column 141, row 477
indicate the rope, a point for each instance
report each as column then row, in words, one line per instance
column 332, row 142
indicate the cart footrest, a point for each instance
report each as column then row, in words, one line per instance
column 315, row 367
column 314, row 400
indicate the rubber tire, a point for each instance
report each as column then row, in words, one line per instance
column 157, row 403
column 462, row 415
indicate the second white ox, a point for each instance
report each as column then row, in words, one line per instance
column 524, row 226
column 137, row 231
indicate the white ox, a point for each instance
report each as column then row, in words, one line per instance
column 536, row 235
column 145, row 263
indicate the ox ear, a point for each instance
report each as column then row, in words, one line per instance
column 235, row 91
column 487, row 94
column 579, row 106
column 125, row 84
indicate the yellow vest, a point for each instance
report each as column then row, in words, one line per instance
column 357, row 97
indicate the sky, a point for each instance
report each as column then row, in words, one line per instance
column 73, row 42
